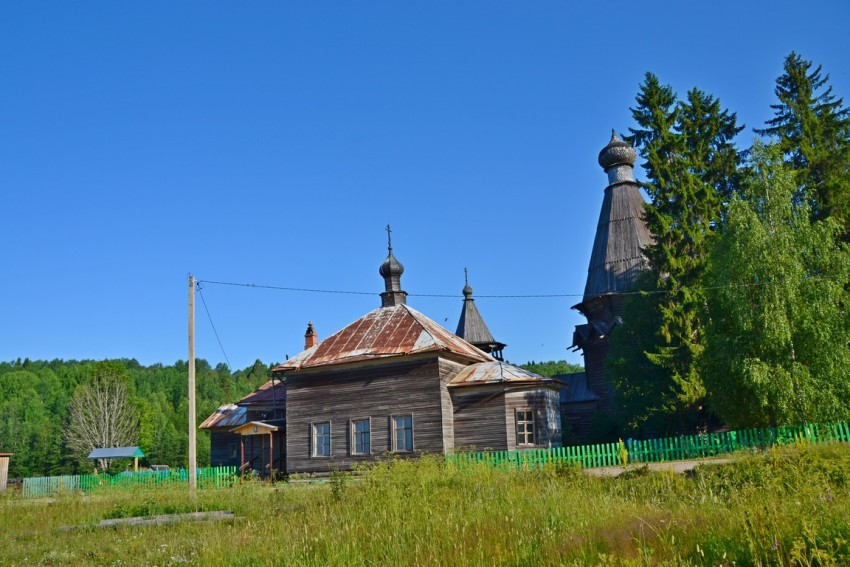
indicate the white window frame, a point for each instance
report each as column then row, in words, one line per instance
column 353, row 436
column 394, row 430
column 522, row 426
column 314, row 445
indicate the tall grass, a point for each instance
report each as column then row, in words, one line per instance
column 790, row 506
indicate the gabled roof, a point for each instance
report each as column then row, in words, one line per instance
column 116, row 453
column 576, row 389
column 497, row 372
column 228, row 415
column 385, row 332
column 266, row 394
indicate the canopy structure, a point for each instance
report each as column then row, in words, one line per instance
column 134, row 453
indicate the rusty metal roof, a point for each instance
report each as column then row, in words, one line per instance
column 382, row 333
column 497, row 372
column 265, row 394
column 228, row 415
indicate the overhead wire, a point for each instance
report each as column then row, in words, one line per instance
column 514, row 296
column 204, row 301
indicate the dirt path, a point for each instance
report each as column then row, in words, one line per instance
column 674, row 466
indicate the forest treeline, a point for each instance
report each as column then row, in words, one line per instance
column 36, row 401
column 35, row 398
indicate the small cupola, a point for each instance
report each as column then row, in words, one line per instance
column 391, row 270
column 618, row 160
column 472, row 327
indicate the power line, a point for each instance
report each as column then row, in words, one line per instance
column 517, row 296
column 204, row 301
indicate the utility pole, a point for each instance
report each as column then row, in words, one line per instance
column 193, row 449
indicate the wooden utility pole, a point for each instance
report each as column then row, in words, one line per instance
column 193, row 448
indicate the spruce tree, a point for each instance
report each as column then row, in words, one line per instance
column 812, row 129
column 691, row 167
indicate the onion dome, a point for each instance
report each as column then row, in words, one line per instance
column 391, row 270
column 617, row 152
column 391, row 267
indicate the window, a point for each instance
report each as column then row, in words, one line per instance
column 322, row 439
column 360, row 437
column 402, row 433
column 525, row 427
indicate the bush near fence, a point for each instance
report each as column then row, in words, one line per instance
column 659, row 450
column 212, row 477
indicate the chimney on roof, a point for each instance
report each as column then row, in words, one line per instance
column 311, row 339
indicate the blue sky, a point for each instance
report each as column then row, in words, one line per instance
column 271, row 142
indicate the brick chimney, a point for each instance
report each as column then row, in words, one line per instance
column 311, row 339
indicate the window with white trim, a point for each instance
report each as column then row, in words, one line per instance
column 402, row 433
column 525, row 427
column 361, row 436
column 322, row 439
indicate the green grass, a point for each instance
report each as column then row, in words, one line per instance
column 790, row 506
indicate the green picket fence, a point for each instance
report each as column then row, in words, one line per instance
column 659, row 450
column 211, row 477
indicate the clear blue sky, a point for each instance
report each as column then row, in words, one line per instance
column 271, row 142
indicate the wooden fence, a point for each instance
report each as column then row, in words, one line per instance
column 659, row 450
column 207, row 478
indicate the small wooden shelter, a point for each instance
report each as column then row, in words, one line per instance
column 4, row 469
column 252, row 430
column 118, row 453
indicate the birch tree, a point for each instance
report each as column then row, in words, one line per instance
column 101, row 415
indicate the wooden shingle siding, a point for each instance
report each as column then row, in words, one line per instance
column 448, row 370
column 479, row 416
column 547, row 417
column 376, row 391
column 222, row 444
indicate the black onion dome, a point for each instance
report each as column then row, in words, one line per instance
column 391, row 267
column 617, row 152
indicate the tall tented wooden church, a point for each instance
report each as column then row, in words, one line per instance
column 392, row 381
column 615, row 263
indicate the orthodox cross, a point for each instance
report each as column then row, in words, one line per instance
column 389, row 237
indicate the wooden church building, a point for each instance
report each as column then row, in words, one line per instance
column 617, row 259
column 393, row 381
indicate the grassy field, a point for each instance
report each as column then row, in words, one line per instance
column 786, row 507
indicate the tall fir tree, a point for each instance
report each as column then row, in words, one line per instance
column 812, row 129
column 691, row 166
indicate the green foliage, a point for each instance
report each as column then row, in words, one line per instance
column 552, row 367
column 812, row 129
column 34, row 398
column 786, row 507
column 691, row 165
column 779, row 308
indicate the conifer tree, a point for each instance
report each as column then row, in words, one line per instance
column 812, row 129
column 691, row 166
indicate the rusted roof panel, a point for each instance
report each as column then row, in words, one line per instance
column 228, row 415
column 496, row 372
column 384, row 332
column 265, row 394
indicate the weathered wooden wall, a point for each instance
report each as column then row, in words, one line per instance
column 479, row 416
column 377, row 391
column 547, row 415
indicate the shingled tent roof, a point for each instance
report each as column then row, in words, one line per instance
column 621, row 234
column 385, row 332
column 472, row 327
